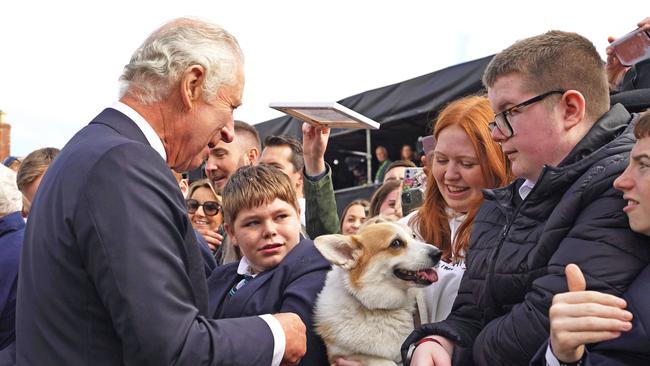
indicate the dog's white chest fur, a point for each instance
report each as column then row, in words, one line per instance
column 354, row 332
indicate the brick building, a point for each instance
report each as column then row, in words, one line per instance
column 5, row 137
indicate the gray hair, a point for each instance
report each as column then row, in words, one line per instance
column 11, row 200
column 157, row 65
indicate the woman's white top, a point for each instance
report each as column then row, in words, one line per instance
column 439, row 297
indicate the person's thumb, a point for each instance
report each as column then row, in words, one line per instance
column 574, row 278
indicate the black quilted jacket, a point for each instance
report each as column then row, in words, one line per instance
column 518, row 250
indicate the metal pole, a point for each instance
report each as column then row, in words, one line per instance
column 368, row 158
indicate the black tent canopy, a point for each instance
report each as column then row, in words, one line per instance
column 405, row 111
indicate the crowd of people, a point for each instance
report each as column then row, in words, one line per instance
column 536, row 194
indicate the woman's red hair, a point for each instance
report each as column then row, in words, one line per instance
column 472, row 114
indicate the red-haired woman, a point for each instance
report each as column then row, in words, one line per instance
column 465, row 160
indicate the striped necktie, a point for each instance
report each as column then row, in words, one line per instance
column 240, row 284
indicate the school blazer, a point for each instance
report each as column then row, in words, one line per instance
column 292, row 286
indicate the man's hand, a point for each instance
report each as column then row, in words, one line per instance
column 314, row 144
column 432, row 353
column 580, row 317
column 344, row 362
column 615, row 69
column 213, row 238
column 295, row 338
column 644, row 24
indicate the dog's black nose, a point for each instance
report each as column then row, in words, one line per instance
column 435, row 254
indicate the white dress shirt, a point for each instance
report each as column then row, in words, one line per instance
column 525, row 188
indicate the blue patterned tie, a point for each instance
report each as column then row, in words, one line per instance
column 240, row 284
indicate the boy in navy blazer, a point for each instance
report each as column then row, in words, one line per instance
column 279, row 272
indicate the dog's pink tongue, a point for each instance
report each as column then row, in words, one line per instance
column 428, row 274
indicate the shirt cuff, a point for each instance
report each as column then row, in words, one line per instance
column 279, row 340
column 551, row 360
column 316, row 178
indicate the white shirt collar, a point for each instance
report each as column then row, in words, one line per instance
column 525, row 188
column 144, row 126
column 244, row 268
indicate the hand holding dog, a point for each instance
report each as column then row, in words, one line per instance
column 343, row 362
column 433, row 354
column 295, row 338
column 580, row 317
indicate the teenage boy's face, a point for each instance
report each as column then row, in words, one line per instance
column 536, row 129
column 265, row 234
column 635, row 185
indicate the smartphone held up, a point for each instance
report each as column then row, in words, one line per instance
column 632, row 47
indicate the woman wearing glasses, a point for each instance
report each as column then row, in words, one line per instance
column 204, row 210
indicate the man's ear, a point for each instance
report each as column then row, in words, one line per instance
column 340, row 250
column 185, row 187
column 231, row 233
column 574, row 108
column 300, row 181
column 252, row 155
column 192, row 85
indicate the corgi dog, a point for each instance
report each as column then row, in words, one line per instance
column 365, row 310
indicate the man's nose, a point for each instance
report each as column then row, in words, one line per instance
column 624, row 181
column 228, row 132
column 497, row 135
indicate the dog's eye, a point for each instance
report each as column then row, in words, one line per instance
column 396, row 243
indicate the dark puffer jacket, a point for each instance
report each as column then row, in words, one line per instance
column 518, row 250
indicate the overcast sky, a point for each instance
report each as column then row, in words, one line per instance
column 60, row 60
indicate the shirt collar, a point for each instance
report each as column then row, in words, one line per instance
column 144, row 126
column 244, row 268
column 525, row 188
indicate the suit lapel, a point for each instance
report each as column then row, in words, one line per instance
column 220, row 282
column 238, row 303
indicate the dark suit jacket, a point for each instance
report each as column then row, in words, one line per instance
column 209, row 263
column 12, row 228
column 292, row 286
column 111, row 273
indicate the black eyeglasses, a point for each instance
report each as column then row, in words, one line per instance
column 501, row 119
column 210, row 208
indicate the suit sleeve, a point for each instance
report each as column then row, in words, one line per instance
column 601, row 244
column 139, row 252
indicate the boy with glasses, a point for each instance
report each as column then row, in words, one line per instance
column 566, row 146
column 279, row 270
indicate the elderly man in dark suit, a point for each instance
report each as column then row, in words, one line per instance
column 110, row 272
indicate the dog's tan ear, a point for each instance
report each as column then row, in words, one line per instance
column 340, row 250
